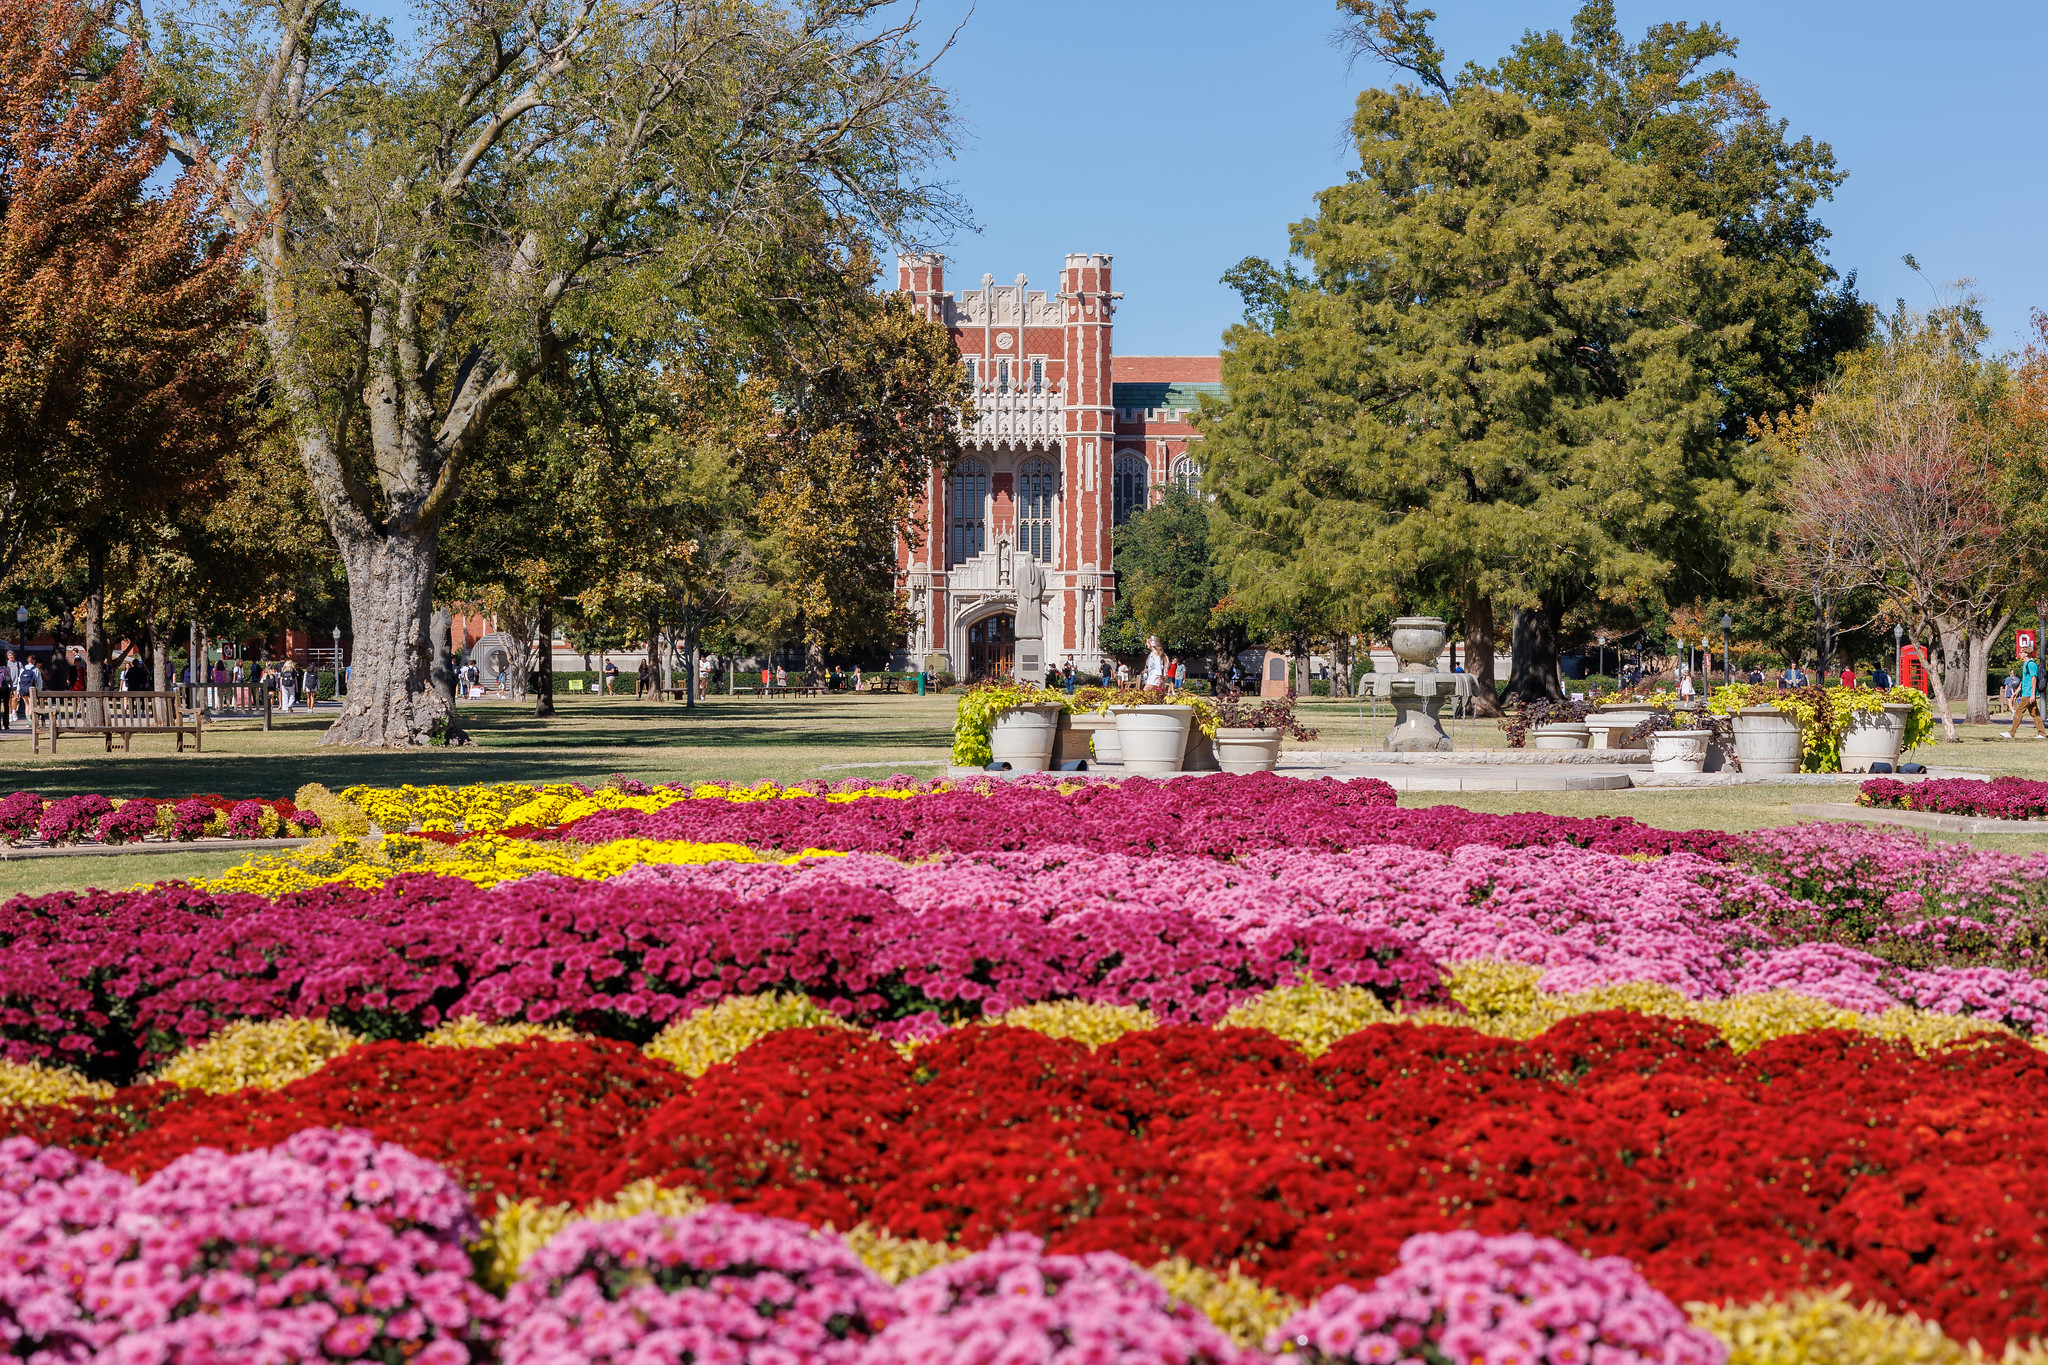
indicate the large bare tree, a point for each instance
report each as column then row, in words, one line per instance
column 1904, row 476
column 438, row 222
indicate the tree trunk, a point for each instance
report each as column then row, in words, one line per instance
column 390, row 597
column 159, row 660
column 1533, row 675
column 690, row 672
column 1943, row 661
column 544, row 695
column 814, row 660
column 1978, row 709
column 654, row 650
column 442, row 627
column 1340, row 666
column 95, row 611
column 1479, row 652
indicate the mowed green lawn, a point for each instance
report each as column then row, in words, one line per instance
column 747, row 739
column 741, row 739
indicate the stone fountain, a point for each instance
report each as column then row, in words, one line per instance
column 1418, row 690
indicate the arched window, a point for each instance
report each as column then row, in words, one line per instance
column 1185, row 476
column 1034, row 509
column 969, row 501
column 1129, row 494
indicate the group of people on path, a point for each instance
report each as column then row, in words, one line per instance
column 18, row 677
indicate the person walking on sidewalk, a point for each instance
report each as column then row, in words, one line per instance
column 2029, row 702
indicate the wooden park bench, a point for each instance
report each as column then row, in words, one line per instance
column 126, row 714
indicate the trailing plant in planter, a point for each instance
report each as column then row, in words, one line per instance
column 1525, row 716
column 1235, row 711
column 1863, row 701
column 1205, row 718
column 974, row 720
column 1824, row 715
column 1721, row 728
column 1088, row 701
column 1095, row 701
column 1810, row 708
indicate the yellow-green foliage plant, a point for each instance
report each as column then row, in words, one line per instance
column 1311, row 1017
column 470, row 1031
column 1244, row 1309
column 521, row 1227
column 262, row 1056
column 709, row 1036
column 1090, row 1024
column 1826, row 1329
column 25, row 1083
column 337, row 817
column 897, row 1259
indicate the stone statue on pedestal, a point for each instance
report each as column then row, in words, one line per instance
column 1027, row 579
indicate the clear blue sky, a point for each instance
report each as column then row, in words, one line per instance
column 1183, row 135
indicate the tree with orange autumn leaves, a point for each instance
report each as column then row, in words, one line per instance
column 122, row 385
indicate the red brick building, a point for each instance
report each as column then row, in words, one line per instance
column 1068, row 440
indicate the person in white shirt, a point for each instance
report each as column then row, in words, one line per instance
column 1155, row 663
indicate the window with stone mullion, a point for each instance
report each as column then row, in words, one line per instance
column 1034, row 509
column 969, row 507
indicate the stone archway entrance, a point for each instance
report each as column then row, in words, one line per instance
column 992, row 646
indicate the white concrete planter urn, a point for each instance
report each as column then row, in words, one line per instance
column 1875, row 737
column 1248, row 750
column 1560, row 735
column 1153, row 738
column 1767, row 741
column 1101, row 731
column 1679, row 751
column 1023, row 737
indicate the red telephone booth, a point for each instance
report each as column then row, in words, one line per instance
column 1913, row 669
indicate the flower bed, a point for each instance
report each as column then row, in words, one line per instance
column 1222, row 815
column 1609, row 1132
column 110, row 981
column 1268, row 1038
column 2001, row 798
column 26, row 818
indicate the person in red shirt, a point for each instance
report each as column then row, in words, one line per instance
column 1848, row 676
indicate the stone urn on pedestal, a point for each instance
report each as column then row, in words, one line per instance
column 1418, row 691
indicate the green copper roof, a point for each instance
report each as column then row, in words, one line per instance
column 1154, row 396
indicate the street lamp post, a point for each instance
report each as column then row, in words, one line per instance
column 1727, row 666
column 1898, row 656
column 337, row 663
